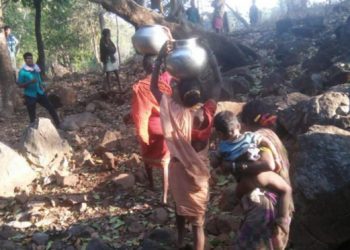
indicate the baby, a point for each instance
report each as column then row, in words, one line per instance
column 247, row 148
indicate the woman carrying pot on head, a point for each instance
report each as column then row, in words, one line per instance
column 109, row 58
column 187, row 126
column 146, row 117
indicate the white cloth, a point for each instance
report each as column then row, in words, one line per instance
column 35, row 68
column 110, row 66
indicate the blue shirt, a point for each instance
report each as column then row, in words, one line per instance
column 32, row 89
column 12, row 43
column 232, row 150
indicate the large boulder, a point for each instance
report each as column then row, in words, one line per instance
column 321, row 182
column 309, row 84
column 330, row 108
column 14, row 171
column 43, row 146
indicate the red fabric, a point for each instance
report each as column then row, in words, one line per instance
column 267, row 120
column 144, row 105
column 156, row 151
column 145, row 113
column 209, row 109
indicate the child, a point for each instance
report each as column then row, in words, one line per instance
column 247, row 147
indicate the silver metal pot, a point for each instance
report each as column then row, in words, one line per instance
column 149, row 39
column 187, row 59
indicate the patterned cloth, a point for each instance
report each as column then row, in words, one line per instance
column 232, row 150
column 256, row 231
column 260, row 209
column 12, row 43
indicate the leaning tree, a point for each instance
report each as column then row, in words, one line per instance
column 6, row 72
column 229, row 52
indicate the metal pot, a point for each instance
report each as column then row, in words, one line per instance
column 187, row 59
column 149, row 39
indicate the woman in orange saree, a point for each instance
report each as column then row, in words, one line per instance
column 146, row 117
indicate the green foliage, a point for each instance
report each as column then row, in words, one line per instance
column 69, row 29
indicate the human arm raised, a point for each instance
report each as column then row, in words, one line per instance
column 156, row 70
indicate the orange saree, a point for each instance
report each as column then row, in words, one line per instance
column 189, row 171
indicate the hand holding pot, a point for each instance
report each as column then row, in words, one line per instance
column 167, row 47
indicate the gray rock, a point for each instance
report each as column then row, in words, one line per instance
column 80, row 231
column 159, row 215
column 43, row 146
column 228, row 199
column 97, row 244
column 124, row 181
column 136, row 227
column 7, row 232
column 40, row 238
column 160, row 239
column 14, row 171
column 77, row 121
column 320, row 180
column 343, row 88
column 222, row 224
column 330, row 108
column 91, row 107
column 9, row 245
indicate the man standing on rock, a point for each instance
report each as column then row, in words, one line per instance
column 30, row 80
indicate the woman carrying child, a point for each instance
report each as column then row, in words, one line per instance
column 259, row 162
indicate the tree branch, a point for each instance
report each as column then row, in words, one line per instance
column 229, row 53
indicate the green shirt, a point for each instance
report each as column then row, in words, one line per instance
column 32, row 89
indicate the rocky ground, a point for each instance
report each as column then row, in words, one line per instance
column 97, row 196
column 102, row 198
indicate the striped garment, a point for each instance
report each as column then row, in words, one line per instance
column 232, row 150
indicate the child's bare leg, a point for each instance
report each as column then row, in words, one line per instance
column 276, row 183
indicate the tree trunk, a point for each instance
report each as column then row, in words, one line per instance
column 117, row 43
column 38, row 36
column 229, row 53
column 6, row 73
column 101, row 18
column 94, row 40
